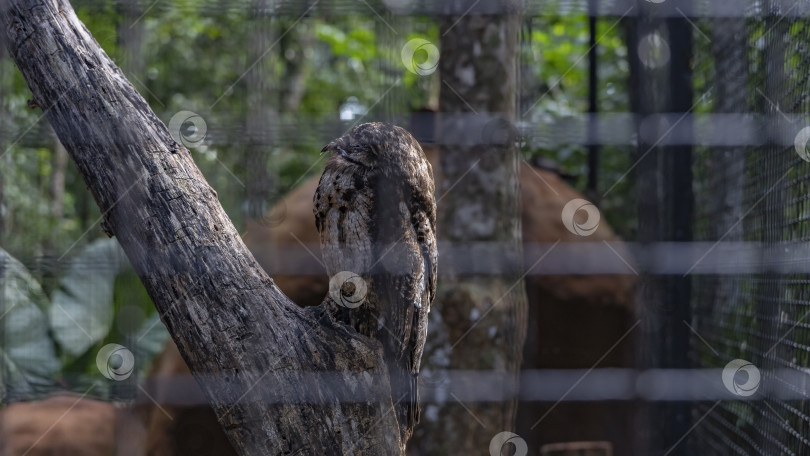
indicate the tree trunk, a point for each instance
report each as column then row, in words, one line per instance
column 261, row 117
column 281, row 379
column 485, row 316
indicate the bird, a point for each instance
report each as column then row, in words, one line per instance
column 375, row 212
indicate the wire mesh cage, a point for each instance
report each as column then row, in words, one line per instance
column 751, row 193
column 671, row 319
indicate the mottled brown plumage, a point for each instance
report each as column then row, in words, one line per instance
column 376, row 214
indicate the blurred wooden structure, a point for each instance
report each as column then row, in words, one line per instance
column 62, row 425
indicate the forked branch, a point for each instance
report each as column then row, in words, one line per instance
column 250, row 348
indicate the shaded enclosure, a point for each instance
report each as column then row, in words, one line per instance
column 623, row 187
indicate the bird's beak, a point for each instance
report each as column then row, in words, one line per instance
column 334, row 147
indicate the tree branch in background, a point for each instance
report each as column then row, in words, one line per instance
column 479, row 203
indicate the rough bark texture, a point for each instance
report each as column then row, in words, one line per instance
column 254, row 352
column 485, row 316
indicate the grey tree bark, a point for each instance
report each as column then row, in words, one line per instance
column 482, row 318
column 260, row 359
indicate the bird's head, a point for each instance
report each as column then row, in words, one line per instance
column 376, row 145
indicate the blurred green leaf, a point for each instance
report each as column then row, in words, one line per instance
column 81, row 312
column 27, row 353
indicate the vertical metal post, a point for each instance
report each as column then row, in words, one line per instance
column 679, row 198
column 665, row 201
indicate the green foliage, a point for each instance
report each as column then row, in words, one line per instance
column 28, row 359
column 81, row 311
column 196, row 57
column 557, row 83
column 48, row 342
